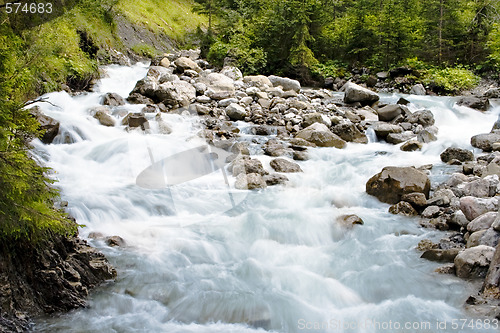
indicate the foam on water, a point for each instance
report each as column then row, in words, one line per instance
column 277, row 261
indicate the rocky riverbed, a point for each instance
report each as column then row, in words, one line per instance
column 286, row 121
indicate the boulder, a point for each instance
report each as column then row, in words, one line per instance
column 165, row 62
column 135, row 120
column 232, row 72
column 247, row 165
column 112, row 99
column 260, row 81
column 285, row 83
column 473, row 207
column 426, row 136
column 474, row 262
column 311, row 118
column 274, row 149
column 275, row 179
column 389, row 112
column 485, row 141
column 146, row 87
column 176, row 94
column 418, row 89
column 219, row 86
column 478, row 188
column 184, row 63
column 156, row 72
column 431, row 212
column 460, row 154
column 397, row 138
column 411, row 145
column 354, row 93
column 236, row 112
column 424, row 118
column 392, row 183
column 478, row 103
column 482, row 222
column 491, row 285
column 382, row 130
column 321, row 136
column 492, row 93
column 115, row 241
column 251, row 181
column 349, row 220
column 415, row 199
column 282, row 165
column 403, row 208
column 349, row 132
column 104, row 118
column 441, row 255
column 49, row 126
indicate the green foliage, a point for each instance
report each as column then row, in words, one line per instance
column 26, row 198
column 174, row 18
column 145, row 50
column 451, row 79
column 331, row 69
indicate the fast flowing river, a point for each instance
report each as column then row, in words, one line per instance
column 275, row 260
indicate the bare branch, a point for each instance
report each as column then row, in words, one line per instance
column 41, row 100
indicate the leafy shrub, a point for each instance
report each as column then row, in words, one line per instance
column 331, row 68
column 145, row 50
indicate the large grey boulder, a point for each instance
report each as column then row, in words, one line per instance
column 247, row 166
column 236, row 112
column 104, row 118
column 355, row 93
column 418, row 89
column 382, row 130
column 389, row 112
column 259, row 81
column 392, row 183
column 112, row 99
column 176, row 94
column 424, row 118
column 251, row 181
column 321, row 136
column 232, row 72
column 219, row 86
column 478, row 103
column 491, row 285
column 453, row 153
column 482, row 222
column 282, row 165
column 473, row 207
column 48, row 125
column 350, row 133
column 285, row 83
column 184, row 63
column 492, row 93
column 485, row 141
column 474, row 262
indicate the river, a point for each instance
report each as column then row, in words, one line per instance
column 275, row 260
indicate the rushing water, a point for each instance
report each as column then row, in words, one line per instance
column 277, row 261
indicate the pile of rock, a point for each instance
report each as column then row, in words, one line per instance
column 466, row 205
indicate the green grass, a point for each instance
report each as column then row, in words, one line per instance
column 175, row 18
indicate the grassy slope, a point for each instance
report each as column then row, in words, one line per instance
column 53, row 48
column 174, row 18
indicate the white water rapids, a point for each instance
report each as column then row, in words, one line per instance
column 278, row 262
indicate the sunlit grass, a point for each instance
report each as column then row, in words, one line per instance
column 175, row 18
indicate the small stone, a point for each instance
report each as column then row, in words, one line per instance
column 115, row 241
column 403, row 208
